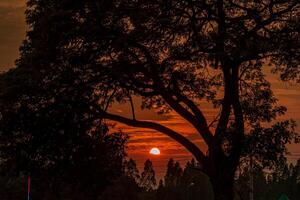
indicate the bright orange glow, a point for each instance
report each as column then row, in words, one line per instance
column 154, row 151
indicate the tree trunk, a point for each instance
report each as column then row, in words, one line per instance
column 223, row 185
column 222, row 165
column 221, row 171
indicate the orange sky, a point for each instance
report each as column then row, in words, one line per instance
column 12, row 32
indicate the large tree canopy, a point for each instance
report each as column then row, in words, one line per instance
column 174, row 55
column 58, row 143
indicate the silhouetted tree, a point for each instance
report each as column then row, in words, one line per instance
column 160, row 184
column 269, row 184
column 191, row 184
column 174, row 55
column 148, row 181
column 61, row 160
column 173, row 174
column 58, row 142
column 260, row 187
column 171, row 188
column 294, row 183
column 131, row 170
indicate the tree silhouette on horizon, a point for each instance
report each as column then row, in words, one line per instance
column 148, row 180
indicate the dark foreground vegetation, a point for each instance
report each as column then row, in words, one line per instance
column 189, row 183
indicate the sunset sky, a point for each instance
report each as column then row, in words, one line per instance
column 12, row 32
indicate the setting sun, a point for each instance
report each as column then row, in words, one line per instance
column 154, row 151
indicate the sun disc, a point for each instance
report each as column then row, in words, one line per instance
column 154, row 151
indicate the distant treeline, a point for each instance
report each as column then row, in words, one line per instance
column 179, row 183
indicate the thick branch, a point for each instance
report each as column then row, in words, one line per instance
column 197, row 119
column 194, row 108
column 226, row 104
column 237, row 108
column 199, row 122
column 191, row 147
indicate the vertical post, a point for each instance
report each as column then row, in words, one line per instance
column 28, row 187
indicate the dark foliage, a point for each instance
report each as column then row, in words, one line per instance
column 268, row 185
column 55, row 139
column 148, row 180
column 189, row 183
